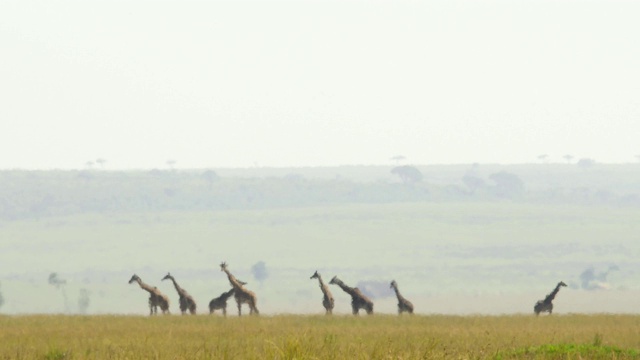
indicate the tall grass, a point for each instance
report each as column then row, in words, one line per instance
column 319, row 337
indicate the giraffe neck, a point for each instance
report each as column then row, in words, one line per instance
column 175, row 284
column 232, row 279
column 395, row 288
column 552, row 295
column 146, row 287
column 228, row 294
column 349, row 290
column 323, row 287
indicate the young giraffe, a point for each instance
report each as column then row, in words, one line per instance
column 403, row 303
column 220, row 303
column 358, row 299
column 547, row 303
column 327, row 298
column 241, row 294
column 156, row 298
column 186, row 301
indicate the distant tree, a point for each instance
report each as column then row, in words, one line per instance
column 259, row 271
column 59, row 283
column 210, row 177
column 89, row 164
column 507, row 185
column 586, row 163
column 171, row 163
column 473, row 182
column 568, row 158
column 101, row 162
column 1, row 299
column 55, row 280
column 84, row 300
column 408, row 174
column 543, row 157
column 398, row 158
column 85, row 175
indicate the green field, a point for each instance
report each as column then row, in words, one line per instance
column 320, row 337
column 449, row 258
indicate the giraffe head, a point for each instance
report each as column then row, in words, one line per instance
column 167, row 277
column 315, row 275
column 561, row 283
column 223, row 266
column 134, row 278
column 394, row 284
column 334, row 280
column 241, row 282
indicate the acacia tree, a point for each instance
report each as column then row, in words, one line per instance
column 84, row 300
column 101, row 162
column 586, row 163
column 543, row 157
column 210, row 177
column 398, row 158
column 1, row 299
column 259, row 271
column 59, row 284
column 473, row 183
column 568, row 158
column 507, row 185
column 408, row 174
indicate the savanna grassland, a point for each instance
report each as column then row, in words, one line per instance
column 320, row 337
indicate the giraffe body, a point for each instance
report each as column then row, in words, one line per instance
column 186, row 301
column 358, row 299
column 327, row 298
column 241, row 294
column 220, row 303
column 156, row 298
column 546, row 305
column 404, row 305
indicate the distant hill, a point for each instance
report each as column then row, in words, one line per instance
column 32, row 194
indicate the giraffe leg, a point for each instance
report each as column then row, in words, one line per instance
column 239, row 309
column 224, row 311
column 253, row 308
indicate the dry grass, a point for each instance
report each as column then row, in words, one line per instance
column 319, row 337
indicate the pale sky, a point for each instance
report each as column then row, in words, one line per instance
column 316, row 83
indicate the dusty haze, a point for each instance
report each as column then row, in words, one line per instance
column 310, row 83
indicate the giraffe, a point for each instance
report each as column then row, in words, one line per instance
column 221, row 302
column 241, row 294
column 358, row 299
column 156, row 298
column 186, row 301
column 403, row 303
column 327, row 298
column 547, row 304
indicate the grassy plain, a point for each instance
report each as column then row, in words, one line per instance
column 476, row 253
column 320, row 337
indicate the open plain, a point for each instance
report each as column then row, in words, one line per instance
column 320, row 337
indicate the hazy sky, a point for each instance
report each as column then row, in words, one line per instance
column 310, row 83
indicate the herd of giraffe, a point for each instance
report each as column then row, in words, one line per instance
column 244, row 296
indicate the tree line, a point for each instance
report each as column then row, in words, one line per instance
column 35, row 194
